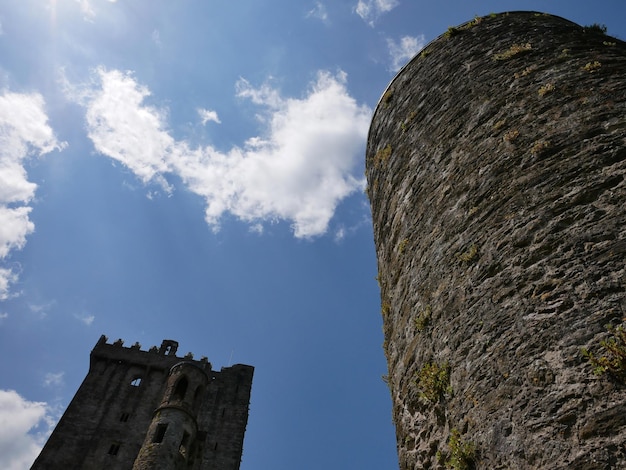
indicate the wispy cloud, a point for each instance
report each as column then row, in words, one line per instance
column 370, row 10
column 344, row 231
column 26, row 425
column 207, row 115
column 7, row 277
column 298, row 170
column 87, row 9
column 402, row 51
column 257, row 228
column 41, row 309
column 85, row 318
column 319, row 12
column 156, row 37
column 24, row 131
column 53, row 379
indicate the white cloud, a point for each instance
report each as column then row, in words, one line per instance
column 7, row 277
column 53, row 380
column 15, row 226
column 3, row 316
column 403, row 50
column 318, row 11
column 207, row 115
column 299, row 170
column 24, row 426
column 23, row 129
column 370, row 10
column 124, row 129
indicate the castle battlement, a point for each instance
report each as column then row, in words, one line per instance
column 153, row 356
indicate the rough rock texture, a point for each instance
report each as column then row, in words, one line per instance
column 496, row 167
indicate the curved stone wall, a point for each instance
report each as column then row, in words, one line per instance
column 496, row 166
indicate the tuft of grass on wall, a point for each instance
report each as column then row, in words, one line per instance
column 515, row 49
column 592, row 67
column 511, row 136
column 382, row 155
column 468, row 256
column 545, row 89
column 423, row 319
column 595, row 28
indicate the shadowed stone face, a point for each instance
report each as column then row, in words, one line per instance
column 496, row 168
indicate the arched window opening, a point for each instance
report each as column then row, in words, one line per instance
column 136, row 382
column 181, row 389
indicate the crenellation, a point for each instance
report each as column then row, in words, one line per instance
column 168, row 347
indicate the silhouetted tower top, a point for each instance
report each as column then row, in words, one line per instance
column 152, row 410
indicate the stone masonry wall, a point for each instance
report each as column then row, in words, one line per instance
column 496, row 166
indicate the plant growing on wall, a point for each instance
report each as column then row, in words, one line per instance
column 433, row 381
column 613, row 359
column 423, row 319
column 462, row 453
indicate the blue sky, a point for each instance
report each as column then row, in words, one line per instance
column 193, row 170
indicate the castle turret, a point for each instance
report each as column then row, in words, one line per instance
column 496, row 168
column 171, row 440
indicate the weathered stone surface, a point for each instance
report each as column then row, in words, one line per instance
column 496, row 167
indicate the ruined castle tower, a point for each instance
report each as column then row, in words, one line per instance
column 496, row 166
column 151, row 410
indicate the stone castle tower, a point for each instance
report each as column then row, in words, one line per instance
column 151, row 410
column 496, row 165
